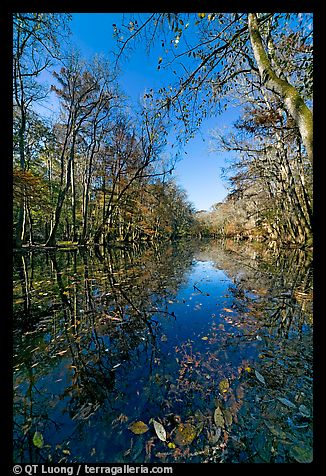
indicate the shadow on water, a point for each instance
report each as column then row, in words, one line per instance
column 213, row 341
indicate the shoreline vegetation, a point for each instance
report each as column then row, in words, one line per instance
column 99, row 170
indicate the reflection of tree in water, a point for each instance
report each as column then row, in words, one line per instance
column 272, row 302
column 280, row 280
column 84, row 316
column 98, row 310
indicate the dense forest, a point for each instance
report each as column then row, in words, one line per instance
column 100, row 170
column 146, row 330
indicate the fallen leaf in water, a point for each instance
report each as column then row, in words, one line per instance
column 138, row 427
column 286, row 402
column 260, row 377
column 275, row 431
column 159, row 430
column 62, row 352
column 214, row 435
column 227, row 417
column 301, row 455
column 227, row 309
column 171, row 445
column 185, row 434
column 304, row 411
column 224, row 385
column 38, row 439
column 218, row 417
column 239, row 392
column 204, row 338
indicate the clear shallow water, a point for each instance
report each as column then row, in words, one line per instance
column 171, row 334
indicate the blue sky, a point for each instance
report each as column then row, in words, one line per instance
column 199, row 171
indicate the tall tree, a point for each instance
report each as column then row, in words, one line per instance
column 36, row 44
column 210, row 53
column 84, row 93
column 259, row 61
column 291, row 98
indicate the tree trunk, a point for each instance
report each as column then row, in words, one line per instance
column 52, row 238
column 20, row 228
column 293, row 102
column 73, row 200
column 87, row 184
column 61, row 198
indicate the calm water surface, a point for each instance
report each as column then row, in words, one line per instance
column 212, row 341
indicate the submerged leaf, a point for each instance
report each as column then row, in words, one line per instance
column 224, row 385
column 227, row 417
column 199, row 427
column 275, row 431
column 304, row 411
column 185, row 434
column 301, row 455
column 260, row 377
column 214, row 435
column 286, row 402
column 138, row 427
column 38, row 439
column 159, row 430
column 218, row 417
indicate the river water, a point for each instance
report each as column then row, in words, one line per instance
column 211, row 341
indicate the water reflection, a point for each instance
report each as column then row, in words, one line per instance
column 213, row 341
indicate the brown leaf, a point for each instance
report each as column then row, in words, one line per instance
column 138, row 427
column 185, row 434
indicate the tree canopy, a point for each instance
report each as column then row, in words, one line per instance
column 103, row 169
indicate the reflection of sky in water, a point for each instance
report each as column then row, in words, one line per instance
column 194, row 309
